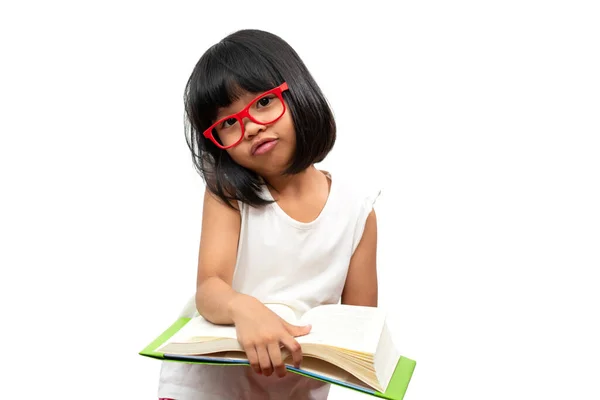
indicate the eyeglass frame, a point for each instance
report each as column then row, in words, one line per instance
column 244, row 113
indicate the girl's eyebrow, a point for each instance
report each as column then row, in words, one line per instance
column 227, row 110
column 221, row 113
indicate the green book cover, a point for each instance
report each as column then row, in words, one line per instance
column 395, row 390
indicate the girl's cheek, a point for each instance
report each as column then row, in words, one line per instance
column 239, row 157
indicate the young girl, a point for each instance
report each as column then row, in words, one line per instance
column 275, row 229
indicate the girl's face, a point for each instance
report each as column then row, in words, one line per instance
column 266, row 149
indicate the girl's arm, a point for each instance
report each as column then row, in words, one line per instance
column 216, row 260
column 259, row 330
column 360, row 288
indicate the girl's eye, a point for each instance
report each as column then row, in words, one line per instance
column 228, row 123
column 264, row 101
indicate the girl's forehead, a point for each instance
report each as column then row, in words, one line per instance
column 241, row 99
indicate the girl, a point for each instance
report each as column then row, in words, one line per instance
column 275, row 229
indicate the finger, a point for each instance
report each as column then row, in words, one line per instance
column 295, row 330
column 264, row 360
column 253, row 359
column 295, row 349
column 276, row 361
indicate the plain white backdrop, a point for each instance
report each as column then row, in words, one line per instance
column 480, row 120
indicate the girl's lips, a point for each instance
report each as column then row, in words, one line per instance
column 265, row 147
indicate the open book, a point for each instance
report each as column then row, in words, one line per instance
column 347, row 345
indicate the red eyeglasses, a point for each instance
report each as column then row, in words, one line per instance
column 265, row 109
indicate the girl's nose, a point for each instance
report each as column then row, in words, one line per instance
column 252, row 129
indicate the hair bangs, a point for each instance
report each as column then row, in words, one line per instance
column 249, row 69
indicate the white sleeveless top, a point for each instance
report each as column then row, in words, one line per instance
column 280, row 260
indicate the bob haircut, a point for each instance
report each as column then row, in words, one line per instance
column 253, row 61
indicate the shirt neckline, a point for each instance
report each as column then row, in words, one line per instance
column 298, row 224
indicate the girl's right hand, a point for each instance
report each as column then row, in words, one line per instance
column 261, row 332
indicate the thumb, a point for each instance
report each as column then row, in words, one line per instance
column 296, row 330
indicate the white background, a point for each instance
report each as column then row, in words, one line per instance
column 479, row 119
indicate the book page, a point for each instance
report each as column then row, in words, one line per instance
column 198, row 329
column 284, row 311
column 350, row 327
column 386, row 358
column 323, row 369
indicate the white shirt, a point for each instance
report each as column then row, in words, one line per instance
column 281, row 260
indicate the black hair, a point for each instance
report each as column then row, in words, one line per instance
column 254, row 61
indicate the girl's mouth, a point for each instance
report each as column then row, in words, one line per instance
column 264, row 147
